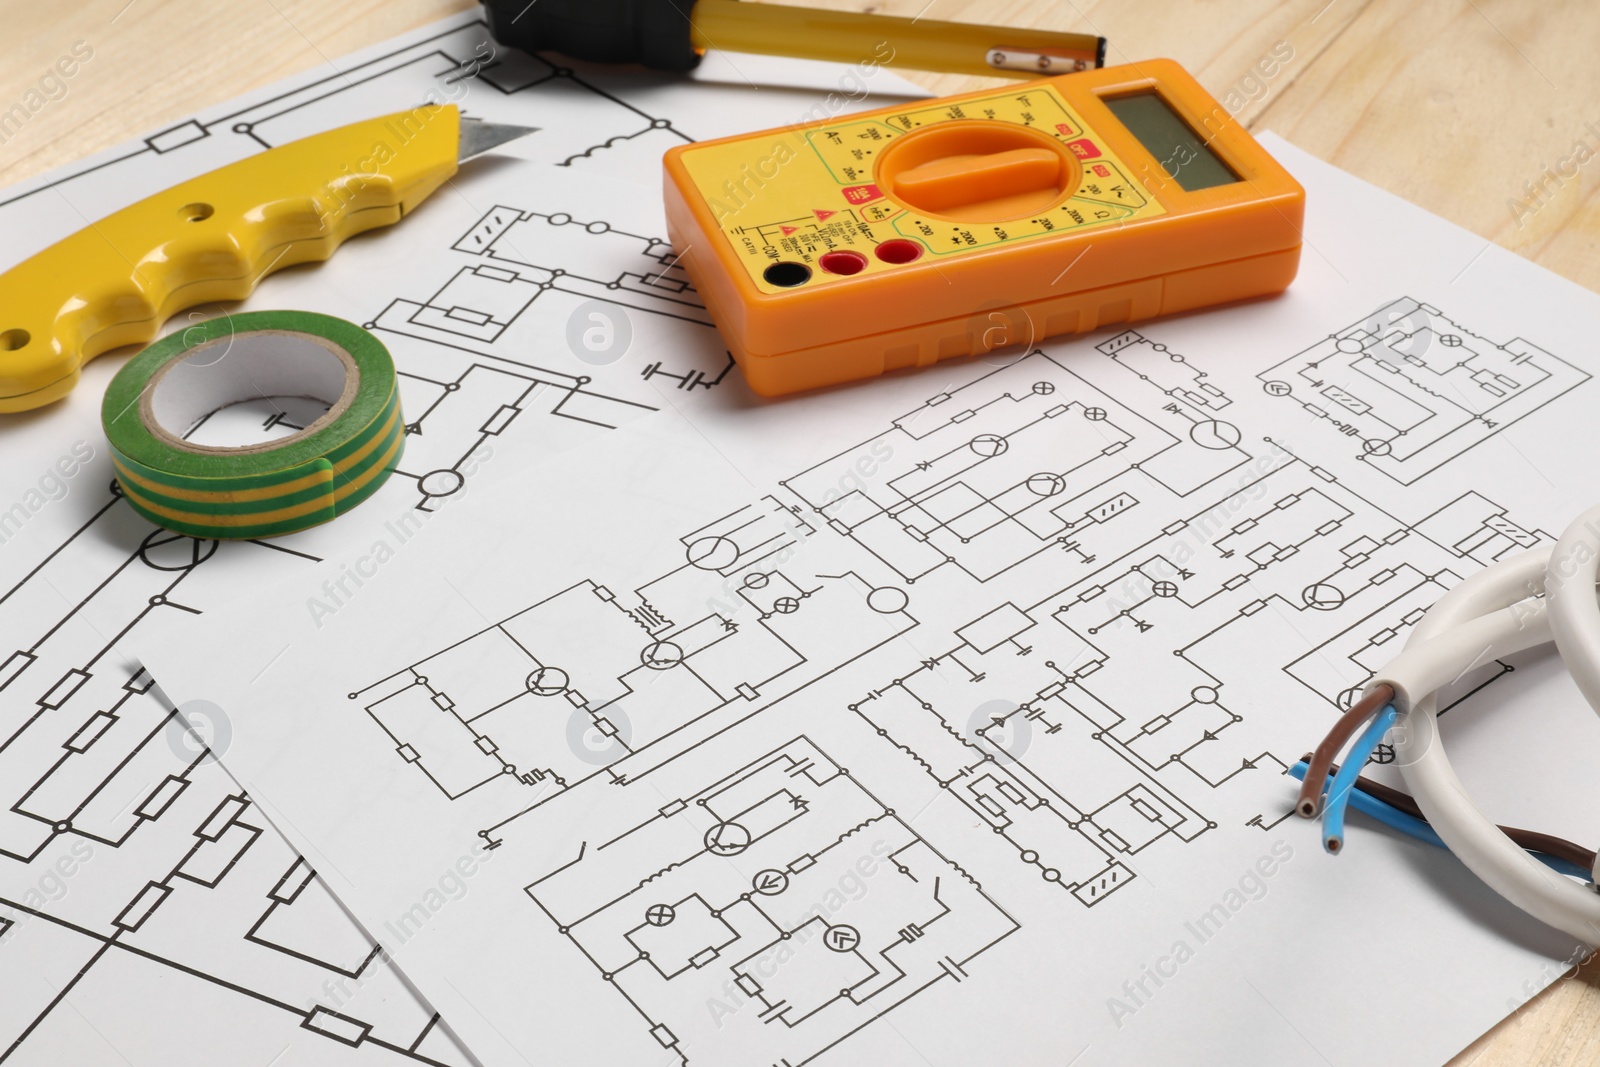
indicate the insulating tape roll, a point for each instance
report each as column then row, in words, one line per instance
column 267, row 489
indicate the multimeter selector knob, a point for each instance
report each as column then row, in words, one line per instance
column 979, row 171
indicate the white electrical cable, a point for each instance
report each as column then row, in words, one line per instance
column 1495, row 613
column 1570, row 588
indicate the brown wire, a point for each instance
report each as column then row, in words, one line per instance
column 1559, row 847
column 1316, row 779
column 1531, row 840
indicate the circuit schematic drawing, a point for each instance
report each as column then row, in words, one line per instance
column 1025, row 462
column 1088, row 722
column 593, row 681
column 739, row 896
column 1412, row 390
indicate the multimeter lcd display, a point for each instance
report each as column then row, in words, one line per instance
column 1180, row 151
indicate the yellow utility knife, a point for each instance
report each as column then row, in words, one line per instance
column 116, row 281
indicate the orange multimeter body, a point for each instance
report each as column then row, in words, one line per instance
column 843, row 248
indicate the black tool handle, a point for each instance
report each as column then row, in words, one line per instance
column 654, row 33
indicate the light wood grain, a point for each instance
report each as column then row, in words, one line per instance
column 1457, row 106
column 1454, row 104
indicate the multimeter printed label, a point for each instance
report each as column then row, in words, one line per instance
column 794, row 196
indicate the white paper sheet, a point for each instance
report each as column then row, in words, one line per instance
column 943, row 719
column 148, row 912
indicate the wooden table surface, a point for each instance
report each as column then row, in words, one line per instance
column 1457, row 105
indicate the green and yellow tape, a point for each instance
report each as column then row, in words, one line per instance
column 263, row 490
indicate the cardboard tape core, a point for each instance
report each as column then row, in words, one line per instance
column 243, row 367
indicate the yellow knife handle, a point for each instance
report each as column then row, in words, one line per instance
column 211, row 238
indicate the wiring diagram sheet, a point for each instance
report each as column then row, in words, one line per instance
column 944, row 719
column 149, row 911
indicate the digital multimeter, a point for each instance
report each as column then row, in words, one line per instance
column 840, row 249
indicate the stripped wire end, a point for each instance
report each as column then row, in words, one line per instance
column 1306, row 809
column 1398, row 811
column 1344, row 782
column 1309, row 802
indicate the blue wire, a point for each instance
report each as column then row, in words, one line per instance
column 1344, row 782
column 1395, row 819
column 1383, row 812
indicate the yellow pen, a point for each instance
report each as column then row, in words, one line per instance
column 212, row 238
column 915, row 44
column 674, row 34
